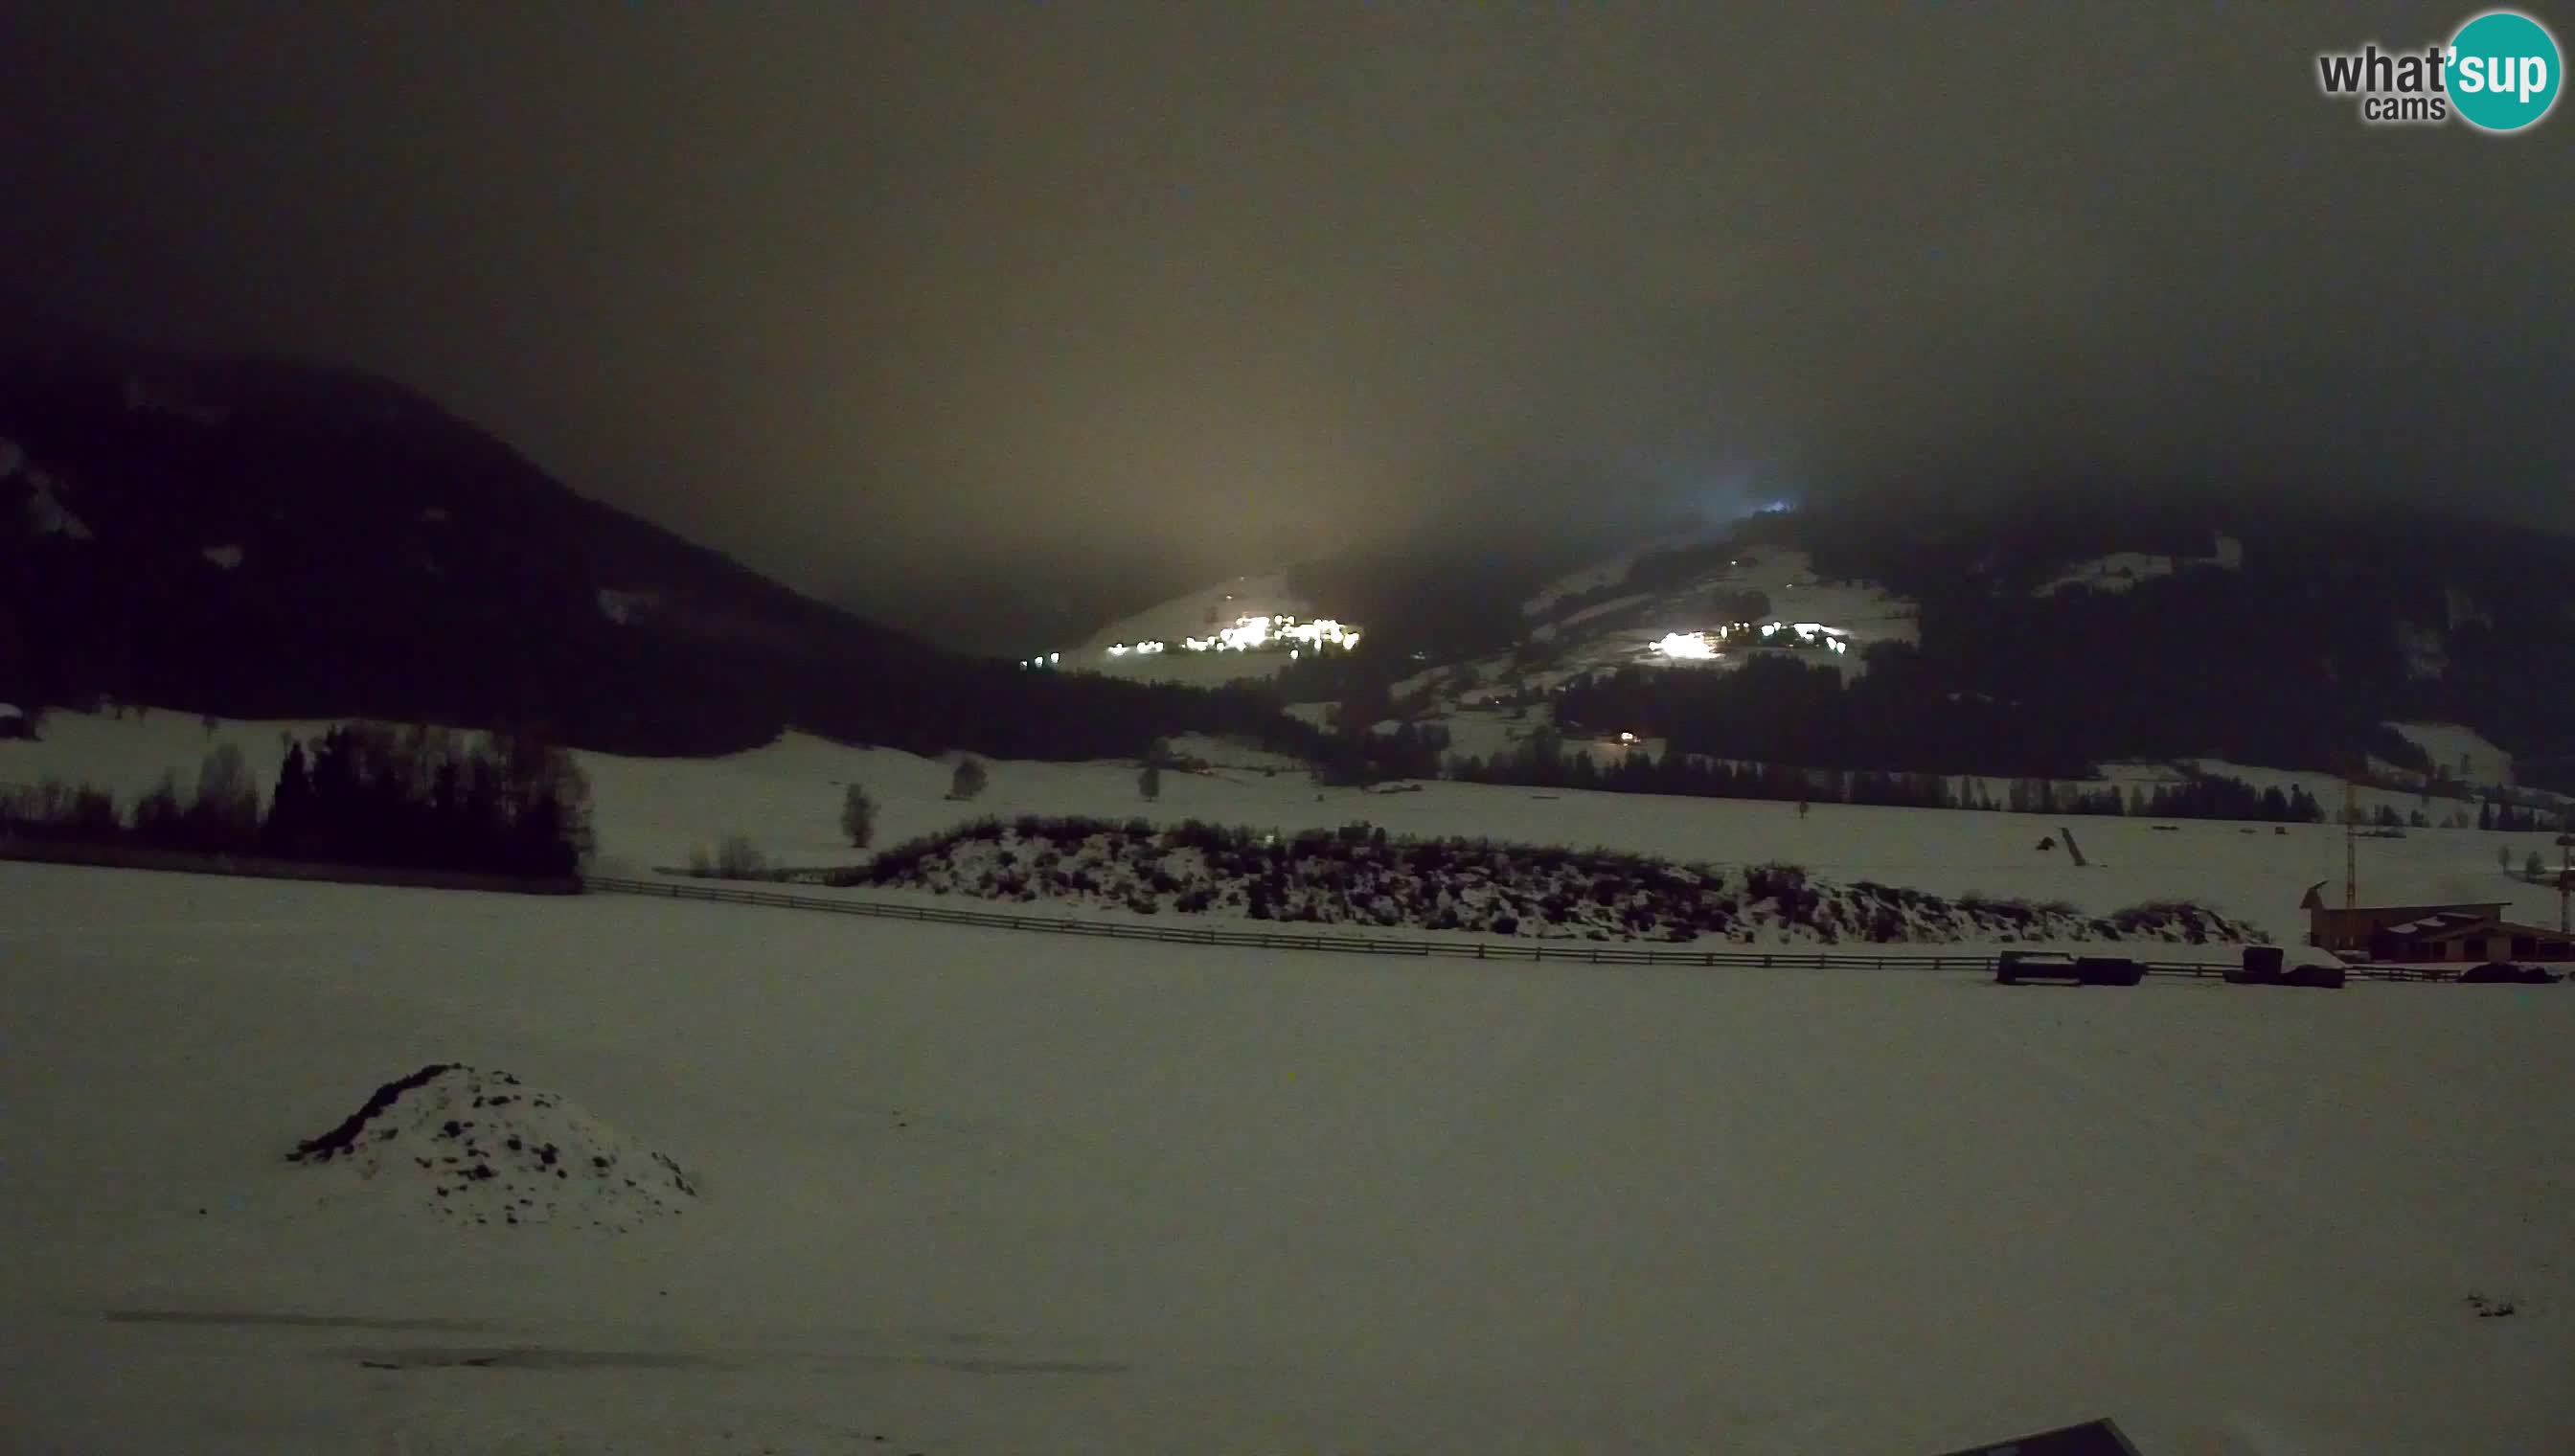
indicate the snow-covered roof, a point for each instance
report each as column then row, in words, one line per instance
column 11, row 709
column 2439, row 927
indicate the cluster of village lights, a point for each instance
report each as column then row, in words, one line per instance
column 1700, row 647
column 1249, row 634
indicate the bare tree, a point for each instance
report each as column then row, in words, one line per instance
column 857, row 818
column 739, row 858
column 226, row 812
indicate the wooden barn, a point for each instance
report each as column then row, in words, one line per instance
column 2462, row 933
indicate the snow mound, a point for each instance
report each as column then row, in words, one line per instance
column 480, row 1147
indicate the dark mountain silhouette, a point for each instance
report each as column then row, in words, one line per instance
column 2283, row 630
column 266, row 537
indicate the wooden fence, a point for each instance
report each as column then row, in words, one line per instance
column 253, row 867
column 1590, row 953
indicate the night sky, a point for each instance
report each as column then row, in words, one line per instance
column 895, row 301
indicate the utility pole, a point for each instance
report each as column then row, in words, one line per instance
column 2565, row 868
column 2350, row 847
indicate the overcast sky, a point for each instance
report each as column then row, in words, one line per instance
column 869, row 292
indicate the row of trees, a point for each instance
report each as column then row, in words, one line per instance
column 359, row 794
column 427, row 798
column 1542, row 759
column 2513, row 819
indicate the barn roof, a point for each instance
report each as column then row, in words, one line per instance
column 2446, row 927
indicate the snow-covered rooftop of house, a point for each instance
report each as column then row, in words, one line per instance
column 2441, row 922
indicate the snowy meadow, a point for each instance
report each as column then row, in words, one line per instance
column 944, row 1190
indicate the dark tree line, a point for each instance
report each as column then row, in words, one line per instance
column 426, row 798
column 2513, row 819
column 1545, row 760
column 1358, row 754
column 360, row 793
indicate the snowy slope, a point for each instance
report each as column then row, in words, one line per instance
column 1147, row 645
column 1639, row 628
column 975, row 1192
column 2461, row 753
column 1612, row 569
column 2122, row 570
column 1201, row 613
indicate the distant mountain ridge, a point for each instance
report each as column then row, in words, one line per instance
column 2038, row 633
column 266, row 537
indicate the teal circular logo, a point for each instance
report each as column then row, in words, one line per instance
column 2503, row 71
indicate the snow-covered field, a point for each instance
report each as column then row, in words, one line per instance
column 786, row 797
column 961, row 1191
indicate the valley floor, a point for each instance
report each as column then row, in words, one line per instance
column 977, row 1192
column 786, row 797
